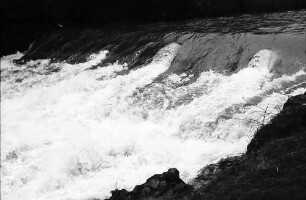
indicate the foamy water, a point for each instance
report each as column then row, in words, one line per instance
column 78, row 134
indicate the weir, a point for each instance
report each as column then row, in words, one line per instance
column 84, row 113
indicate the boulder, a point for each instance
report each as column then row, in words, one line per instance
column 165, row 185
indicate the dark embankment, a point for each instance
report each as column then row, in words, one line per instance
column 24, row 21
column 272, row 168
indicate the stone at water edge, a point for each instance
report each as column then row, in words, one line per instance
column 165, row 185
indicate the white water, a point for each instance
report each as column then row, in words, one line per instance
column 78, row 134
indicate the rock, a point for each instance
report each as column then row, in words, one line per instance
column 273, row 167
column 159, row 186
column 291, row 120
column 211, row 172
column 119, row 194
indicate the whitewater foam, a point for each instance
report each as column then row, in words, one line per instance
column 74, row 133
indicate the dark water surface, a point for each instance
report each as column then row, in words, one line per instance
column 136, row 45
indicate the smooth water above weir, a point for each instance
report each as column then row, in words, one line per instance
column 81, row 119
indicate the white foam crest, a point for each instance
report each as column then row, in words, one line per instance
column 78, row 134
column 17, row 79
column 265, row 59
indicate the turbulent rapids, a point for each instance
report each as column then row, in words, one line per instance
column 77, row 130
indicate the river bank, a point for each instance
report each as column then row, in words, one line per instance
column 272, row 168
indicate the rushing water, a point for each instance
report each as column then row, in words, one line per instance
column 72, row 133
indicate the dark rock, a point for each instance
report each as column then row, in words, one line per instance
column 120, row 194
column 213, row 171
column 273, row 167
column 167, row 185
column 291, row 120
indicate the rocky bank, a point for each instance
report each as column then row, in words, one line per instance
column 272, row 168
